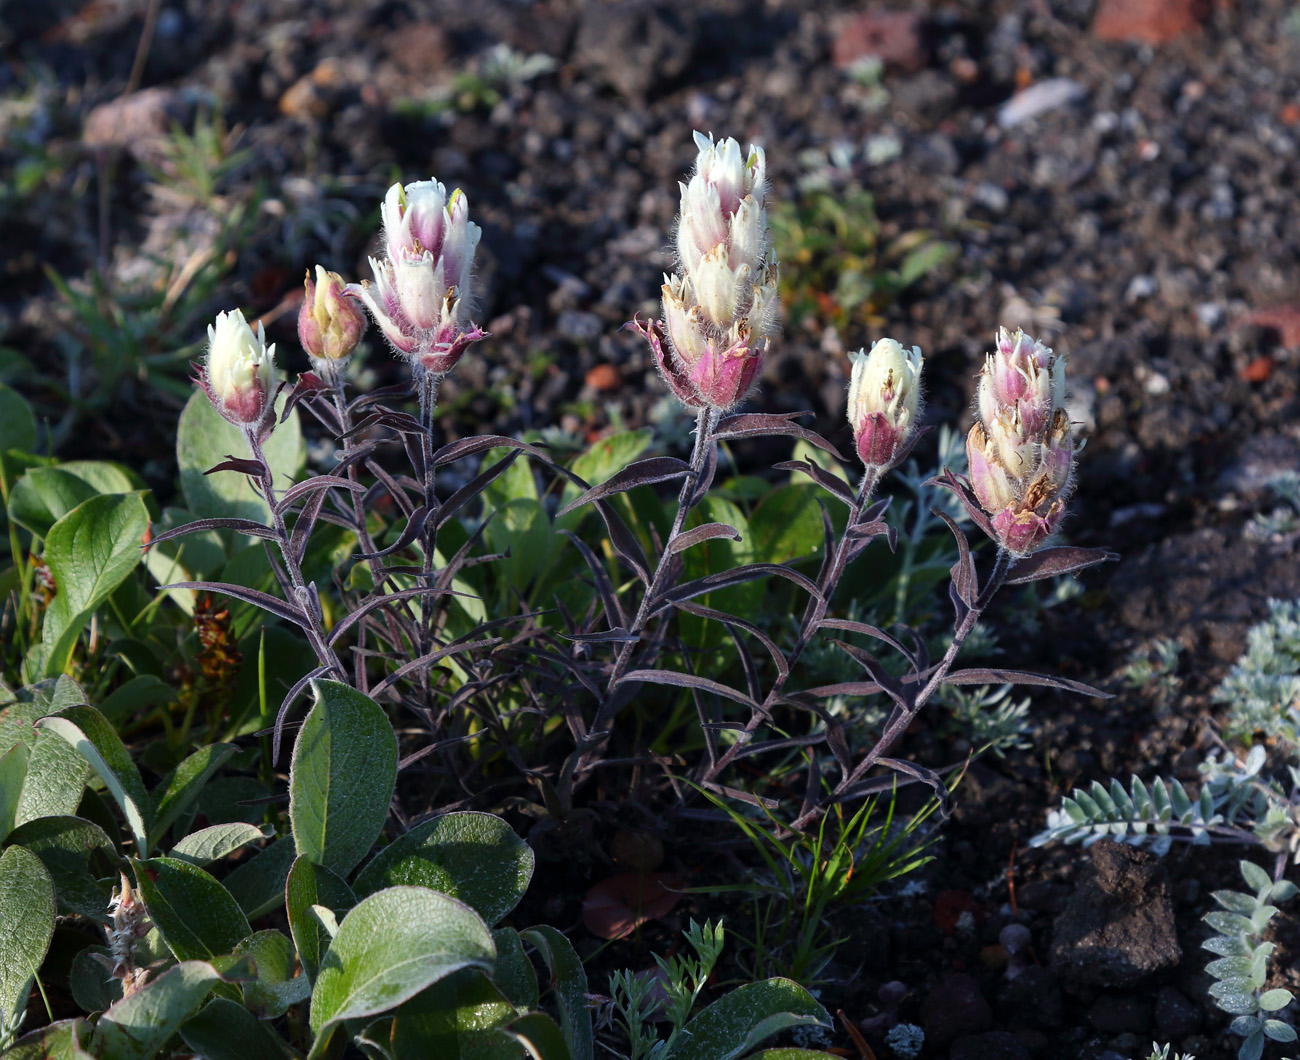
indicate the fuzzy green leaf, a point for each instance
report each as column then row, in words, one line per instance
column 199, row 919
column 475, row 857
column 183, row 785
column 569, row 981
column 65, row 846
column 64, row 1040
column 27, row 911
column 390, row 947
column 738, row 1021
column 341, row 778
column 215, row 842
column 223, row 1030
column 276, row 987
column 137, row 1027
column 1274, row 1000
column 311, row 885
column 90, row 733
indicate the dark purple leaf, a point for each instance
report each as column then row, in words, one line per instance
column 625, row 544
column 308, row 383
column 381, row 393
column 925, row 776
column 961, row 486
column 370, row 606
column 747, row 797
column 990, row 676
column 738, row 576
column 480, row 443
column 362, row 425
column 905, row 450
column 425, row 661
column 617, row 635
column 850, row 626
column 640, row 473
column 678, row 680
column 244, row 465
column 833, row 484
column 614, row 616
column 964, row 579
column 393, row 487
column 474, row 487
column 311, row 485
column 242, row 526
column 412, row 530
column 762, row 425
column 705, row 532
column 778, row 656
column 265, row 601
column 305, row 523
column 401, row 422
column 298, row 688
column 891, row 685
column 1049, row 562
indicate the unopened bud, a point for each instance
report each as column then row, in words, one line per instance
column 884, row 392
column 330, row 323
column 238, row 374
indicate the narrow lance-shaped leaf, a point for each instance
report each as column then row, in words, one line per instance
column 570, row 983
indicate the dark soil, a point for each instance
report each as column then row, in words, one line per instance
column 1148, row 227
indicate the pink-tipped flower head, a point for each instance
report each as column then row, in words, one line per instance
column 330, row 323
column 421, row 294
column 720, row 306
column 1021, row 452
column 238, row 374
column 884, row 395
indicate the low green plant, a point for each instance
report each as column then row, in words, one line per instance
column 1262, row 689
column 1155, row 669
column 1241, row 970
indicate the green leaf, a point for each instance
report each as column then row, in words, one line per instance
column 27, row 911
column 137, row 1027
column 787, row 524
column 569, row 981
column 223, row 1030
column 45, row 495
column 258, row 884
column 90, row 552
column 310, row 884
column 87, row 730
column 597, row 464
column 1235, row 902
column 275, row 988
column 455, row 1019
column 199, row 919
column 539, row 1035
column 56, row 773
column 65, row 846
column 182, row 787
column 93, row 988
column 13, row 772
column 1274, row 1000
column 1279, row 1031
column 215, row 842
column 790, row 1054
column 475, row 857
column 390, row 947
column 341, row 778
column 204, row 439
column 63, row 1040
column 740, row 1020
column 514, row 973
column 17, row 423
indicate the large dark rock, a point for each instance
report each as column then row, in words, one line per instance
column 1118, row 928
column 953, row 1009
column 1031, row 999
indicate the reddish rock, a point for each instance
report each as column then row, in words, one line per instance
column 603, row 377
column 419, row 50
column 1282, row 320
column 142, row 118
column 1148, row 21
column 895, row 37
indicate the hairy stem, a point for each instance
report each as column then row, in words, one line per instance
column 705, row 425
column 813, row 615
column 427, row 385
column 902, row 718
column 305, row 597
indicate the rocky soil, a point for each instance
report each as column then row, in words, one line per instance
column 1116, row 176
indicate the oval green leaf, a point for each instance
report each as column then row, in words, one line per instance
column 90, row 733
column 223, row 1030
column 27, row 911
column 199, row 919
column 65, row 846
column 310, row 884
column 89, row 552
column 475, row 857
column 58, row 1041
column 390, row 947
column 137, row 1027
column 738, row 1021
column 570, row 983
column 342, row 777
column 455, row 1019
column 215, row 842
column 276, row 987
column 179, row 790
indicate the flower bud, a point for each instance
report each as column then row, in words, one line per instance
column 1021, row 452
column 239, row 373
column 720, row 306
column 884, row 391
column 330, row 323
column 420, row 297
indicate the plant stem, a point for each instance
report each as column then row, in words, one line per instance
column 427, row 384
column 305, row 598
column 902, row 718
column 813, row 615
column 705, row 425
